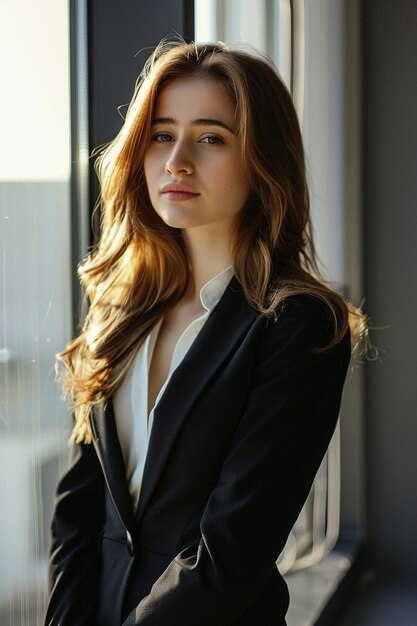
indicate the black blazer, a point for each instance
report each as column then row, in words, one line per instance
column 236, row 442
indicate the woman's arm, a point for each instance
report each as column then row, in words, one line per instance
column 285, row 430
column 76, row 526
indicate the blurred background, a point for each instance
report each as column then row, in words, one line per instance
column 68, row 70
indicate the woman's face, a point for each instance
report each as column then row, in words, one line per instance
column 193, row 165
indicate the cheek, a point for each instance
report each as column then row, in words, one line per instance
column 239, row 187
column 149, row 171
column 146, row 166
column 234, row 176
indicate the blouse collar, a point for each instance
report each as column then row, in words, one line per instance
column 213, row 289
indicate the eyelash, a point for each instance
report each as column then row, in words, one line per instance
column 161, row 138
column 218, row 140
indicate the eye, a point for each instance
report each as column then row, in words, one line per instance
column 211, row 139
column 162, row 137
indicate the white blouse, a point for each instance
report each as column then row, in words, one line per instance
column 130, row 402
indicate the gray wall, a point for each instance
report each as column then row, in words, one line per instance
column 390, row 253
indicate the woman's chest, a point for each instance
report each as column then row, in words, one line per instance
column 174, row 337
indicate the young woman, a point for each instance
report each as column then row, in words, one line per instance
column 207, row 378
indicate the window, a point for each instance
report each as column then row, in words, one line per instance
column 35, row 287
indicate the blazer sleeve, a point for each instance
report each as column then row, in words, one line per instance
column 76, row 526
column 291, row 413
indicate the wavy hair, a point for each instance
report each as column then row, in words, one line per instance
column 139, row 268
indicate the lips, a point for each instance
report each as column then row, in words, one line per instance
column 178, row 191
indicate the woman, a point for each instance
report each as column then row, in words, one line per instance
column 206, row 380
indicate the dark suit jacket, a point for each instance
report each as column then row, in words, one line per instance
column 236, row 441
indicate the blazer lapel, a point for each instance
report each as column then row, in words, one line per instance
column 223, row 330
column 106, row 443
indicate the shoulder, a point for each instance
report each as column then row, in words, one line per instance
column 305, row 305
column 303, row 310
column 303, row 320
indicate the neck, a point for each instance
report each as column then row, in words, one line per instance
column 208, row 256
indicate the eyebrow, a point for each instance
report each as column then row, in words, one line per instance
column 198, row 122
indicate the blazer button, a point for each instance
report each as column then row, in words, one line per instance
column 129, row 542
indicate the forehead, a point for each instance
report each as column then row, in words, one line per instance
column 195, row 98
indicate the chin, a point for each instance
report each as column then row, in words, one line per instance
column 178, row 220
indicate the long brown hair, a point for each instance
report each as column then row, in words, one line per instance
column 139, row 268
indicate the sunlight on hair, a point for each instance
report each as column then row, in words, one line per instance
column 139, row 269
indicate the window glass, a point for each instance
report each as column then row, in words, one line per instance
column 35, row 300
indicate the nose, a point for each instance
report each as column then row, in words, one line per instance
column 179, row 160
